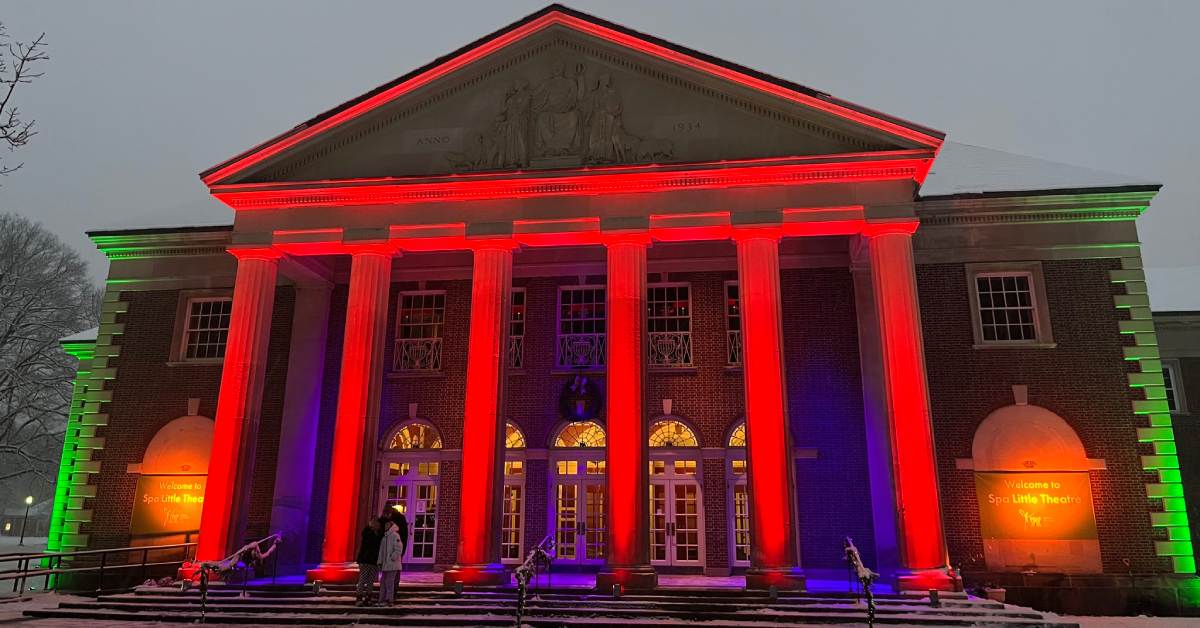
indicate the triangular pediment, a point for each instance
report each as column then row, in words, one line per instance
column 569, row 94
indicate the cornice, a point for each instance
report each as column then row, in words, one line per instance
column 177, row 242
column 1048, row 208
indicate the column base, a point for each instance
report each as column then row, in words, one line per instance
column 333, row 573
column 477, row 576
column 942, row 579
column 782, row 579
column 642, row 578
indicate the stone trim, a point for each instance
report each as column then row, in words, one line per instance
column 1154, row 429
column 85, row 418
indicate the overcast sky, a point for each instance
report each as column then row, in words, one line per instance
column 139, row 97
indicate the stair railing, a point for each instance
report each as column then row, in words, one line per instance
column 539, row 555
column 863, row 574
column 50, row 565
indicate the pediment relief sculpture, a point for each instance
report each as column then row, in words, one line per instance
column 568, row 119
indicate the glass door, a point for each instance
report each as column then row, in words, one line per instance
column 579, row 511
column 412, row 489
column 676, row 521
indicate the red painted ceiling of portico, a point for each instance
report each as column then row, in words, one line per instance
column 307, row 132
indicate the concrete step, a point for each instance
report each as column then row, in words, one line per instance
column 399, row 617
column 436, row 606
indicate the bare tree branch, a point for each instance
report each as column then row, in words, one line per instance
column 45, row 295
column 18, row 63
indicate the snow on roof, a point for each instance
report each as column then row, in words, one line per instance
column 966, row 169
column 87, row 335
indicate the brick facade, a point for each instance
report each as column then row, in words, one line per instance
column 1082, row 380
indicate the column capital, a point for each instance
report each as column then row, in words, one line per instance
column 493, row 244
column 625, row 237
column 876, row 229
column 763, row 232
column 265, row 253
column 382, row 249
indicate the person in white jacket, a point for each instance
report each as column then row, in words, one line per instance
column 391, row 553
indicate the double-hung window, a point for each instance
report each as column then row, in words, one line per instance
column 1008, row 305
column 581, row 327
column 420, row 322
column 206, row 329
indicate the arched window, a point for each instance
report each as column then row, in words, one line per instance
column 672, row 433
column 579, row 434
column 737, row 438
column 415, row 436
column 513, row 438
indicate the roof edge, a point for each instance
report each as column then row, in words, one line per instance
column 580, row 15
column 1111, row 189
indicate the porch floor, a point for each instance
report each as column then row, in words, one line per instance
column 575, row 580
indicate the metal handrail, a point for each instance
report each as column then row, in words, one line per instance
column 26, row 568
column 528, row 570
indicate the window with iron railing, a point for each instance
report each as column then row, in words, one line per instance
column 516, row 329
column 669, row 322
column 581, row 327
column 419, row 327
column 733, row 325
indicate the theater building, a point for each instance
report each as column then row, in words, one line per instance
column 679, row 316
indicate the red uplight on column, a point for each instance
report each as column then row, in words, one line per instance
column 239, row 401
column 483, row 447
column 627, row 510
column 768, row 439
column 923, row 548
column 356, row 423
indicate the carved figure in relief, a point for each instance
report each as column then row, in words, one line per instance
column 512, row 128
column 604, row 142
column 556, row 114
column 566, row 117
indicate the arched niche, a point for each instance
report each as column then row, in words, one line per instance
column 1033, row 485
column 182, row 446
column 173, row 474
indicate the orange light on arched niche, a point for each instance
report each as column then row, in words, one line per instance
column 173, row 474
column 1034, row 491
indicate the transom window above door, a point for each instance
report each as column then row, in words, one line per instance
column 672, row 433
column 578, row 434
column 415, row 436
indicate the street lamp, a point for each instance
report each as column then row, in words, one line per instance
column 28, row 503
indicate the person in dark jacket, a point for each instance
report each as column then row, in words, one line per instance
column 368, row 562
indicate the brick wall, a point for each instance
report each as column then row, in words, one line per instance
column 1083, row 380
column 149, row 393
column 825, row 403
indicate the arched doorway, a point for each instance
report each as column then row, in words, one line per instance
column 411, row 468
column 512, row 516
column 676, row 519
column 578, row 489
column 738, row 508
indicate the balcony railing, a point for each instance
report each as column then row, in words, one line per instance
column 516, row 351
column 418, row 354
column 733, row 346
column 580, row 350
column 671, row 348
